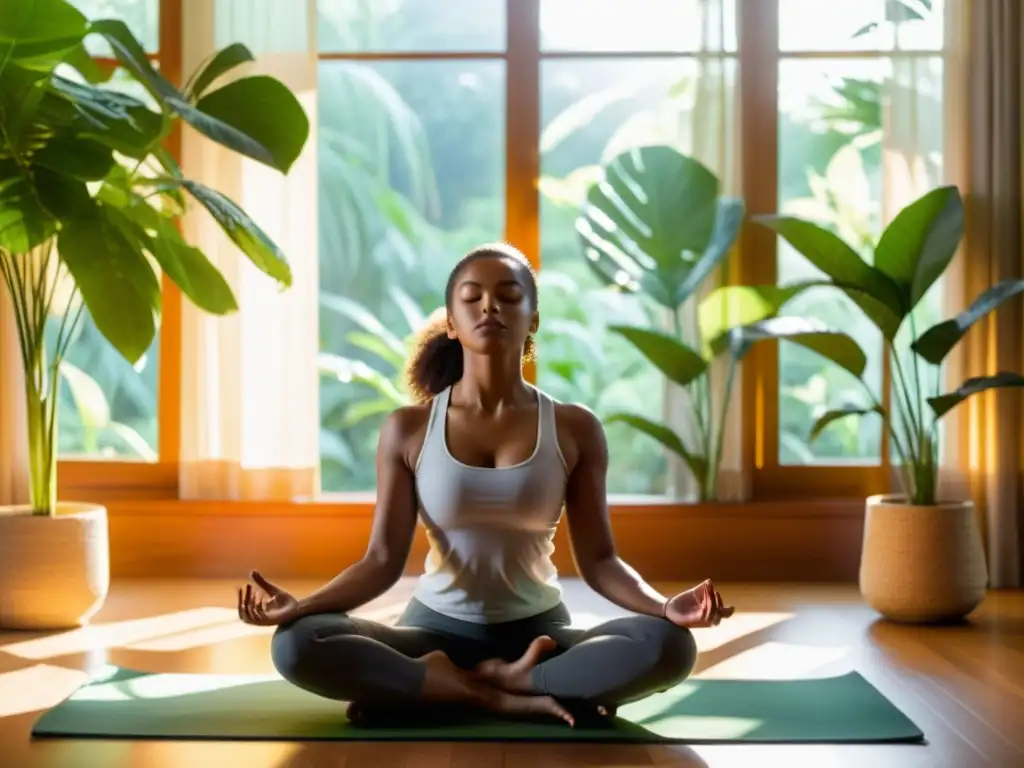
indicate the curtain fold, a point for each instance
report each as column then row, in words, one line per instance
column 14, row 469
column 710, row 133
column 983, row 447
column 249, row 381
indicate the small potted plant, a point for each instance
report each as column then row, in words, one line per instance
column 922, row 558
column 89, row 199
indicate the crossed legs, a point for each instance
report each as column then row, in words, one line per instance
column 358, row 660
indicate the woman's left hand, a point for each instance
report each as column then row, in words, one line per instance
column 699, row 607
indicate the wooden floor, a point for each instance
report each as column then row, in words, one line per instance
column 964, row 685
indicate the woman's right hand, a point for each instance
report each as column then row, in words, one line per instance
column 267, row 605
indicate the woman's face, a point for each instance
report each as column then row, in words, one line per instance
column 491, row 311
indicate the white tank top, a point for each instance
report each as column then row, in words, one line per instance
column 490, row 529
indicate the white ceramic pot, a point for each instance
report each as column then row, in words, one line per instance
column 922, row 564
column 54, row 571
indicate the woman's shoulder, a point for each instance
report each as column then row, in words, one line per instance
column 577, row 419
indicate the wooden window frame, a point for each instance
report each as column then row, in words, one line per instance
column 103, row 479
column 758, row 57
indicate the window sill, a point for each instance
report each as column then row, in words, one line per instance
column 349, row 508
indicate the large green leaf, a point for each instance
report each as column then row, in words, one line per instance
column 37, row 33
column 187, row 267
column 24, row 221
column 76, row 156
column 920, row 242
column 132, row 56
column 698, row 464
column 943, row 404
column 730, row 306
column 114, row 119
column 937, row 341
column 836, row 414
column 812, row 334
column 222, row 62
column 870, row 288
column 648, row 223
column 117, row 284
column 728, row 220
column 673, row 358
column 93, row 71
column 244, row 232
column 257, row 116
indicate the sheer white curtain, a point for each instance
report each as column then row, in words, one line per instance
column 249, row 389
column 984, row 437
column 709, row 133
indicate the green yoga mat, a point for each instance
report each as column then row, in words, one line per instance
column 126, row 704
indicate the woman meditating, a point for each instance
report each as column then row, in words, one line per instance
column 487, row 462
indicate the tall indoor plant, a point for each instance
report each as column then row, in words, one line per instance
column 89, row 199
column 655, row 223
column 922, row 556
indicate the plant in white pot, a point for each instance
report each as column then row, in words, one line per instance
column 89, row 200
column 922, row 557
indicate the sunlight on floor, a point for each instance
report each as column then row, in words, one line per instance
column 117, row 633
column 198, row 638
column 776, row 661
column 165, row 686
column 740, row 625
column 38, row 687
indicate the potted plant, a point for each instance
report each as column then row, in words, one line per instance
column 89, row 199
column 922, row 558
column 655, row 223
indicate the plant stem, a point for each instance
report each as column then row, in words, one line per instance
column 32, row 295
column 698, row 400
column 716, row 462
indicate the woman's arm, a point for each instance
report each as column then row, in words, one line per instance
column 394, row 524
column 586, row 503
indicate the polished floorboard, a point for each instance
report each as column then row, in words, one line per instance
column 963, row 685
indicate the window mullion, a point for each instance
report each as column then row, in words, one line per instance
column 759, row 74
column 522, row 132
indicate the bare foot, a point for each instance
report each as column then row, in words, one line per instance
column 701, row 606
column 515, row 676
column 447, row 682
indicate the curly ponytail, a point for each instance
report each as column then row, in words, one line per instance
column 435, row 361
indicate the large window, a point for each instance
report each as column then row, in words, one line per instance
column 417, row 128
column 444, row 124
column 860, row 135
column 109, row 407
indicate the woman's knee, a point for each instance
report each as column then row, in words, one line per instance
column 674, row 649
column 295, row 647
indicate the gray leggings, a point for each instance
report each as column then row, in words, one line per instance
column 351, row 659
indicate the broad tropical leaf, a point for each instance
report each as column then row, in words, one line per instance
column 114, row 119
column 920, row 242
column 222, row 62
column 76, row 156
column 812, row 334
column 654, row 221
column 132, row 56
column 24, row 222
column 731, row 306
column 244, row 232
column 698, row 464
column 835, row 415
column 676, row 360
column 870, row 288
column 937, row 341
column 37, row 33
column 117, row 284
column 943, row 404
column 256, row 116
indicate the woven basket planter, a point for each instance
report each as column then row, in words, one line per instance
column 54, row 571
column 922, row 564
